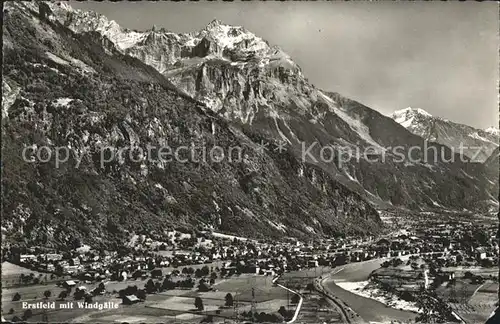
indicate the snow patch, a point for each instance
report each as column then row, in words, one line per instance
column 410, row 111
column 56, row 59
column 278, row 226
column 309, row 229
column 361, row 129
column 283, row 136
column 62, row 102
column 350, row 177
column 475, row 135
column 405, row 123
column 82, row 66
column 9, row 95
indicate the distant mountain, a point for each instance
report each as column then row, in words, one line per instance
column 478, row 144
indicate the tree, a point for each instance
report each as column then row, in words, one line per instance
column 198, row 303
column 408, row 296
column 79, row 294
column 295, row 299
column 158, row 286
column 276, row 318
column 150, row 286
column 208, row 319
column 137, row 274
column 47, row 293
column 397, row 262
column 432, row 309
column 101, row 287
column 310, row 287
column 229, row 300
column 88, row 299
column 62, row 295
column 16, row 297
column 203, row 286
column 141, row 294
column 168, row 284
column 27, row 314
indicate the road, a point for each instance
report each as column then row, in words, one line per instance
column 299, row 305
column 368, row 309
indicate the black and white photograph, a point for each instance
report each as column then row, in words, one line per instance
column 305, row 162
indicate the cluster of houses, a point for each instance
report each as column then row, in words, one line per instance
column 232, row 255
column 444, row 244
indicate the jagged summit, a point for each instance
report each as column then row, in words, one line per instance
column 214, row 23
column 406, row 117
column 234, row 38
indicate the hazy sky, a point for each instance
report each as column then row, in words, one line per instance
column 438, row 56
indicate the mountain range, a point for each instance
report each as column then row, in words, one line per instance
column 477, row 144
column 77, row 80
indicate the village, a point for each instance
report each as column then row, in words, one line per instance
column 206, row 266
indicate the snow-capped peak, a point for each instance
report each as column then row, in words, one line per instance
column 406, row 116
column 233, row 37
column 214, row 23
column 411, row 111
column 493, row 130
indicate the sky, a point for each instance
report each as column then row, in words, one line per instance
column 438, row 56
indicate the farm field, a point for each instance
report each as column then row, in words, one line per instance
column 171, row 306
column 315, row 308
column 484, row 272
column 480, row 304
column 11, row 275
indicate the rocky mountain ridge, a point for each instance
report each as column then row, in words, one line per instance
column 244, row 79
column 80, row 93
